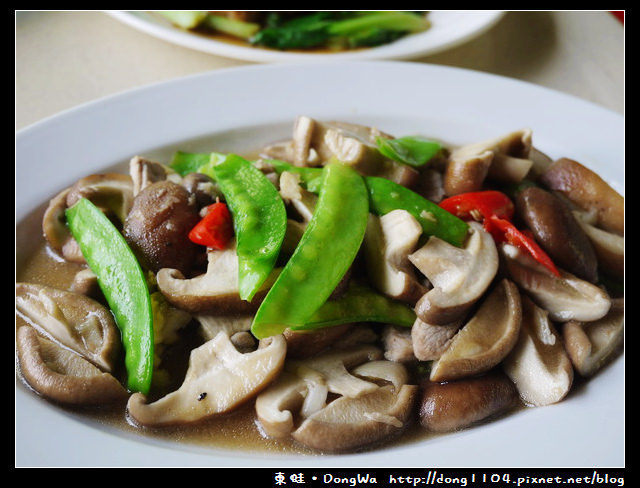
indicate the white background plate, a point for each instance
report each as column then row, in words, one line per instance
column 448, row 29
column 261, row 101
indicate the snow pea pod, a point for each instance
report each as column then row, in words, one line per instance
column 386, row 195
column 310, row 177
column 412, row 150
column 325, row 252
column 259, row 220
column 184, row 162
column 360, row 304
column 123, row 284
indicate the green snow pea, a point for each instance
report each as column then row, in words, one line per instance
column 310, row 177
column 360, row 304
column 123, row 284
column 411, row 150
column 184, row 162
column 386, row 195
column 325, row 252
column 259, row 220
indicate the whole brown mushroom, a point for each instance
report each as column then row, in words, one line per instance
column 456, row 405
column 158, row 225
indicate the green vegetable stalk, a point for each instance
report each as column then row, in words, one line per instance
column 325, row 252
column 123, row 284
column 233, row 27
column 259, row 220
column 186, row 19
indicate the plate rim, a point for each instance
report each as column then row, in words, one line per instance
column 406, row 50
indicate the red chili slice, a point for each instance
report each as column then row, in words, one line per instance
column 486, row 203
column 504, row 231
column 215, row 230
column 495, row 210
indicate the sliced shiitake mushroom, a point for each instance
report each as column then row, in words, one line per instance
column 215, row 291
column 430, row 341
column 506, row 159
column 314, row 143
column 61, row 375
column 56, row 232
column 538, row 364
column 348, row 424
column 388, row 242
column 459, row 275
column 608, row 246
column 212, row 324
column 588, row 191
column 486, row 339
column 307, row 343
column 565, row 297
column 144, row 172
column 68, row 346
column 218, row 379
column 111, row 192
column 397, row 344
column 342, row 400
column 591, row 345
column 304, row 385
column 302, row 201
column 75, row 321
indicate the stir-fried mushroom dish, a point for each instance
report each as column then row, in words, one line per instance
column 342, row 286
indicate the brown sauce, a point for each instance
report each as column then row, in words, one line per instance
column 237, row 430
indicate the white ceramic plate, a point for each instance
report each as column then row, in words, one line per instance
column 249, row 106
column 449, row 29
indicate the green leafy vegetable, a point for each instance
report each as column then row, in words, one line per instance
column 376, row 28
column 340, row 29
column 317, row 29
column 298, row 33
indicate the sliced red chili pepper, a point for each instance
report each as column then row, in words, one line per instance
column 215, row 229
column 495, row 210
column 485, row 203
column 504, row 231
